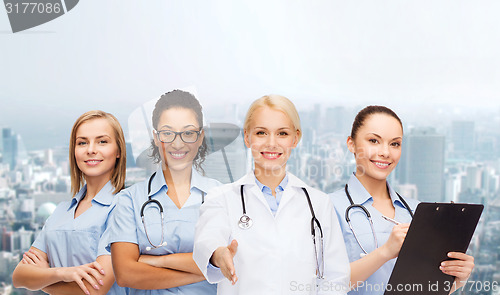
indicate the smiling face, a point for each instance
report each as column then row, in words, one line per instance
column 96, row 149
column 376, row 147
column 271, row 135
column 178, row 155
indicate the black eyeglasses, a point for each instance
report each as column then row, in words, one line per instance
column 188, row 136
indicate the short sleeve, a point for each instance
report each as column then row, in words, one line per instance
column 39, row 242
column 121, row 225
column 102, row 248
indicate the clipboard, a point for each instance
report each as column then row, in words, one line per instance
column 436, row 229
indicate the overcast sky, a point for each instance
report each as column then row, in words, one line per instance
column 116, row 55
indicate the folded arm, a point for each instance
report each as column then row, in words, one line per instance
column 177, row 261
column 33, row 273
column 69, row 288
column 132, row 273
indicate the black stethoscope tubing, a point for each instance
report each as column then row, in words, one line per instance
column 150, row 200
column 160, row 207
column 314, row 220
column 368, row 215
column 346, row 188
column 245, row 222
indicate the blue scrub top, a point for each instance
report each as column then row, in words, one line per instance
column 70, row 241
column 126, row 224
column 377, row 282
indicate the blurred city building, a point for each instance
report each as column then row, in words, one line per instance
column 458, row 162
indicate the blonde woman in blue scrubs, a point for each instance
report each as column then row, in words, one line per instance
column 375, row 141
column 154, row 255
column 69, row 255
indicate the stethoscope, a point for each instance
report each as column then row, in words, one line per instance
column 368, row 215
column 245, row 222
column 160, row 208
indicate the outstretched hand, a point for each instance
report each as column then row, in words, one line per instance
column 223, row 259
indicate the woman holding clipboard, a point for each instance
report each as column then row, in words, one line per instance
column 374, row 218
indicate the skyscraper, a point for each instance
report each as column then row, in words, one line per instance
column 10, row 147
column 463, row 138
column 422, row 163
column 338, row 120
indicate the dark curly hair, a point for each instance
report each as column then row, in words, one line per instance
column 179, row 99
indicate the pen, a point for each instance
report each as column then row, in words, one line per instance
column 391, row 220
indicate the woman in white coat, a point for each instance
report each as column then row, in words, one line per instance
column 254, row 235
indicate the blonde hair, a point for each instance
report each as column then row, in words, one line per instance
column 275, row 102
column 118, row 176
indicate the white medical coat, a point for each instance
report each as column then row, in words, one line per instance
column 275, row 255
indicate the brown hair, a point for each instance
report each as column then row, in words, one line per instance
column 368, row 111
column 118, row 176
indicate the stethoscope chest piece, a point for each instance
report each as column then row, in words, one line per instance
column 245, row 222
column 150, row 201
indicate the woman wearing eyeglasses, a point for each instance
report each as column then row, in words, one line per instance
column 152, row 229
column 254, row 236
column 375, row 140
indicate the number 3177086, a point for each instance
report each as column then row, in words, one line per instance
column 32, row 8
